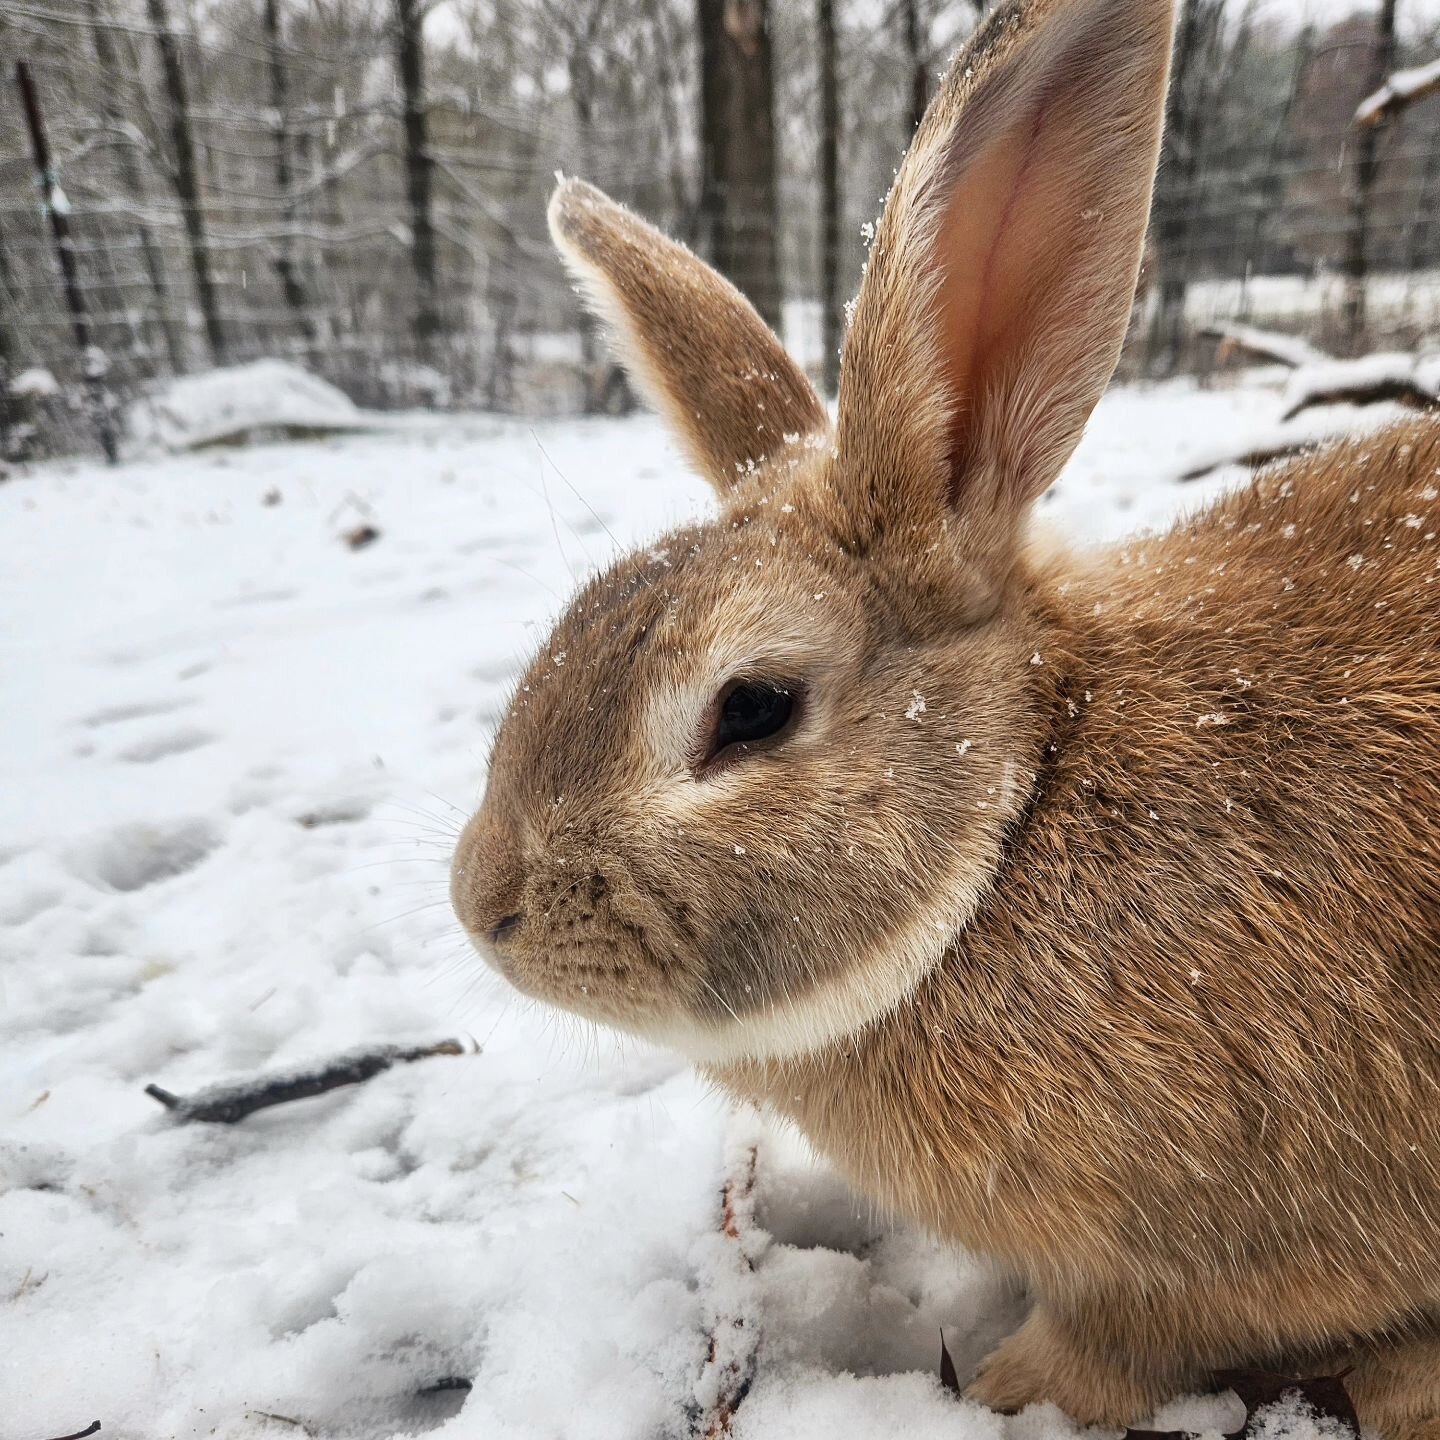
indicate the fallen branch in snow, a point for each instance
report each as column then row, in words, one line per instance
column 1400, row 91
column 1288, row 350
column 729, row 1367
column 1253, row 457
column 226, row 1104
column 1380, row 387
column 93, row 1428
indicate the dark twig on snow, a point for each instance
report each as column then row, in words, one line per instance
column 225, row 1104
column 93, row 1428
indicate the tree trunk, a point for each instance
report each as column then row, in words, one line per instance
column 916, row 63
column 134, row 183
column 9, row 351
column 56, row 208
column 1270, row 186
column 419, row 174
column 187, row 180
column 830, row 313
column 1362, row 181
column 285, row 268
column 1175, row 187
column 737, row 135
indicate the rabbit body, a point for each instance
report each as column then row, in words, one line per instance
column 1181, row 1072
column 1084, row 907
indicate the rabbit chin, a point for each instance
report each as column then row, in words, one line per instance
column 870, row 987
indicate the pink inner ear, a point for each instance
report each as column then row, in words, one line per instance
column 991, row 246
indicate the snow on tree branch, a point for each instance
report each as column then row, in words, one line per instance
column 1401, row 90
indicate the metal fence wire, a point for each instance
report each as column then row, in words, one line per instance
column 224, row 181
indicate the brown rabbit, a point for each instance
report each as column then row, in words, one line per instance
column 1084, row 907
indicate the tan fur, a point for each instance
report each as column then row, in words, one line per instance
column 1090, row 911
column 690, row 338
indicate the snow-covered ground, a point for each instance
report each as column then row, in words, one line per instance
column 234, row 753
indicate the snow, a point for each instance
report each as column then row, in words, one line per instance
column 237, row 402
column 36, row 381
column 223, row 852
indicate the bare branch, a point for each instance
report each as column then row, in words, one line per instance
column 227, row 1104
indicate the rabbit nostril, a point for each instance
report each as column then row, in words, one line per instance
column 506, row 927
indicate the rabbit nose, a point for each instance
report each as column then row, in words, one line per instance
column 488, row 882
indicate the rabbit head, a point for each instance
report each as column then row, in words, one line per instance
column 762, row 771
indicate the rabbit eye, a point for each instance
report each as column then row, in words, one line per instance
column 752, row 711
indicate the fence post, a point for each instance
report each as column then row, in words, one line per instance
column 93, row 362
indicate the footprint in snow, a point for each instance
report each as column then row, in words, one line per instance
column 28, row 906
column 159, row 747
column 133, row 856
column 139, row 710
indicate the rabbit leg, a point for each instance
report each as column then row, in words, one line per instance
column 1048, row 1359
column 1396, row 1388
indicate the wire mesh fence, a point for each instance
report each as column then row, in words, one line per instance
column 274, row 178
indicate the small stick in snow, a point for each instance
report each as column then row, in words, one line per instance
column 226, row 1104
column 93, row 1428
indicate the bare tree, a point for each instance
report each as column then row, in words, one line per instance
column 917, row 65
column 187, row 179
column 738, row 203
column 285, row 268
column 134, row 182
column 419, row 173
column 1186, row 110
column 1365, row 168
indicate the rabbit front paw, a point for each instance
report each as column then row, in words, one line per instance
column 1041, row 1363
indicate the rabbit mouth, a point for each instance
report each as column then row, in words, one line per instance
column 614, row 976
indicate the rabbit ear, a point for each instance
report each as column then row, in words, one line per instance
column 691, row 341
column 1003, row 271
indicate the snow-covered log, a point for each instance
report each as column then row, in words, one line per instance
column 1264, row 444
column 1401, row 90
column 1411, row 380
column 1266, row 344
column 265, row 397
